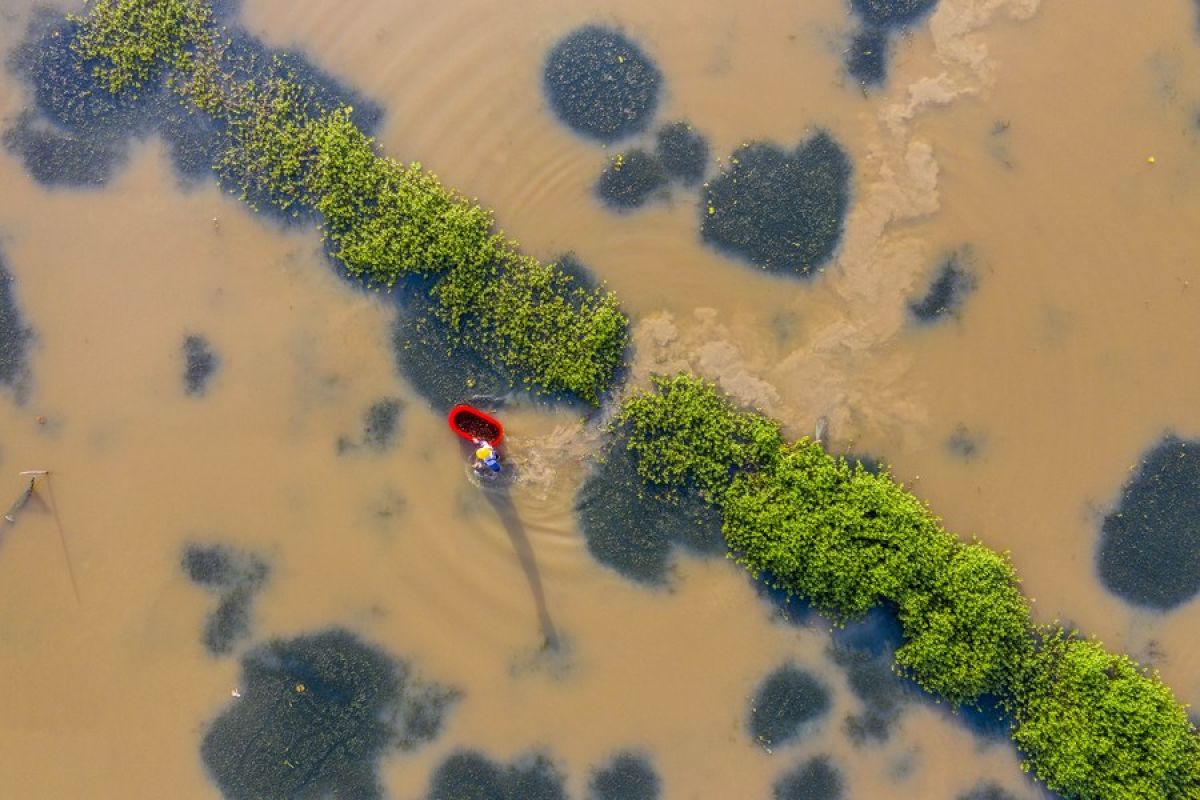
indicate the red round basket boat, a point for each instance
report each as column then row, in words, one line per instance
column 471, row 423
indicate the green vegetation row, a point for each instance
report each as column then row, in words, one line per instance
column 384, row 220
column 1091, row 724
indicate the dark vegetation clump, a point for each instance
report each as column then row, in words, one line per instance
column 430, row 357
column 865, row 649
column 1149, row 552
column 58, row 157
column 626, row 776
column 963, row 443
column 235, row 578
column 987, row 790
column 815, row 779
column 601, row 84
column 786, row 701
column 381, row 423
column 470, row 775
column 315, row 715
column 82, row 122
column 1089, row 723
column 15, row 337
column 953, row 281
column 780, row 210
column 683, row 152
column 289, row 145
column 892, row 13
column 635, row 529
column 866, row 58
column 631, row 179
column 199, row 364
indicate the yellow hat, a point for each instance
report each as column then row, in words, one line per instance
column 483, row 452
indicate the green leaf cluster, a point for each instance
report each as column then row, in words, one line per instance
column 130, row 41
column 687, row 433
column 384, row 220
column 1091, row 724
column 1095, row 725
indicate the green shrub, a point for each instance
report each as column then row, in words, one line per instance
column 689, row 434
column 1096, row 725
column 131, row 41
column 383, row 220
column 1092, row 724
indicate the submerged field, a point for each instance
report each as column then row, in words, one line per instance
column 948, row 240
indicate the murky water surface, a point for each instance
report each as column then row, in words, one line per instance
column 1016, row 136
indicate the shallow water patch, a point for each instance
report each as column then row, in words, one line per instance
column 1147, row 552
column 315, row 715
column 601, row 84
column 781, row 210
column 987, row 790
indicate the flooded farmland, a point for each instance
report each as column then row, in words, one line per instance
column 957, row 238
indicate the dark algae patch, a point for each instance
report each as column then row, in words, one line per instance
column 200, row 361
column 781, row 210
column 380, row 426
column 866, row 58
column 1149, row 551
column 470, row 775
column 815, row 779
column 683, row 152
column 865, row 650
column 787, row 700
column 290, row 145
column 1089, row 723
column 892, row 13
column 626, row 776
column 316, row 714
column 15, row 336
column 987, row 790
column 630, row 179
column 236, row 578
column 636, row 530
column 600, row 83
column 952, row 282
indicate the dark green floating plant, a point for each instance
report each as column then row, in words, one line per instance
column 1090, row 723
column 469, row 775
column 1149, row 550
column 781, row 210
column 631, row 179
column 15, row 336
column 789, row 699
column 627, row 776
column 315, row 715
column 601, row 84
column 289, row 145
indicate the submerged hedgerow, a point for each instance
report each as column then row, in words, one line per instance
column 383, row 220
column 1091, row 724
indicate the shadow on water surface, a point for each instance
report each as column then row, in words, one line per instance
column 498, row 493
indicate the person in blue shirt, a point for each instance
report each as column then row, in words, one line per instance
column 485, row 456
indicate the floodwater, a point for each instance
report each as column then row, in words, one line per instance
column 1020, row 131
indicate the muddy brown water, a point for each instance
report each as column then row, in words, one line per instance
column 1019, row 130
